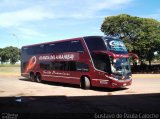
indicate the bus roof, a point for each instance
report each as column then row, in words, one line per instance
column 70, row 39
column 53, row 42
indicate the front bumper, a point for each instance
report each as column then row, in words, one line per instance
column 120, row 83
column 111, row 83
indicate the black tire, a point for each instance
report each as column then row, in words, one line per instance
column 38, row 78
column 32, row 77
column 85, row 83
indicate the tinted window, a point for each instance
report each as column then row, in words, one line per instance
column 72, row 66
column 81, row 66
column 24, row 51
column 69, row 46
column 95, row 43
column 101, row 62
column 24, row 58
column 34, row 50
column 58, row 65
column 76, row 46
column 57, row 47
column 45, row 65
column 64, row 66
column 54, row 65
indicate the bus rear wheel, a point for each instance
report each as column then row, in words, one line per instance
column 85, row 83
column 32, row 77
column 38, row 78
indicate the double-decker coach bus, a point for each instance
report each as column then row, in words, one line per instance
column 97, row 61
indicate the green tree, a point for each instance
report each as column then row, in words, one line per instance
column 10, row 53
column 1, row 54
column 157, row 57
column 141, row 35
column 4, row 57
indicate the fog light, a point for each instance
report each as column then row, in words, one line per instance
column 104, row 82
column 114, row 84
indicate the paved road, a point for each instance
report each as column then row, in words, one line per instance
column 23, row 87
column 20, row 97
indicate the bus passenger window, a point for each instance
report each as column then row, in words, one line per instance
column 81, row 67
column 72, row 66
column 56, row 66
column 76, row 46
column 45, row 65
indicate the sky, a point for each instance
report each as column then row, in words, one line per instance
column 25, row 22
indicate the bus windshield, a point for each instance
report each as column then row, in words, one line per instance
column 115, row 45
column 121, row 66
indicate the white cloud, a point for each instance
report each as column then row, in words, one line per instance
column 50, row 9
column 109, row 4
column 85, row 8
column 27, row 35
column 17, row 18
column 29, row 32
column 18, row 15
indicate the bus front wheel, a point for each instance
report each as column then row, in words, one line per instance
column 38, row 78
column 85, row 83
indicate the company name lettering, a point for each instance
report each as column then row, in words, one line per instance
column 57, row 57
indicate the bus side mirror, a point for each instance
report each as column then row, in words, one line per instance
column 134, row 57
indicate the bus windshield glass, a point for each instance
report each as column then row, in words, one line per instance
column 115, row 45
column 121, row 66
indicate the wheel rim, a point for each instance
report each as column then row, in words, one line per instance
column 32, row 77
column 87, row 83
column 38, row 77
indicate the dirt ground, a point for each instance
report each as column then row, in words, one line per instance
column 21, row 98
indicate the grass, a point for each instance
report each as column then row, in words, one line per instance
column 10, row 70
column 9, row 65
